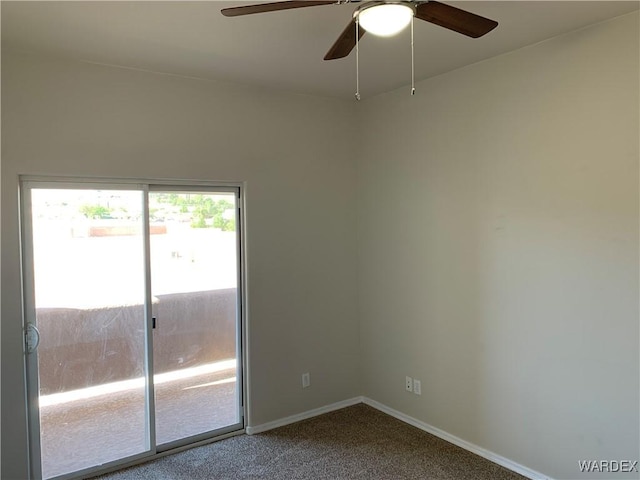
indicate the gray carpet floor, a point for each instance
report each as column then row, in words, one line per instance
column 357, row 442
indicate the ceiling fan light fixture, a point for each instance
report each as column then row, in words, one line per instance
column 384, row 19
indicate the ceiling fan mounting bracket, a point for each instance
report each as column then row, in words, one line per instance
column 376, row 3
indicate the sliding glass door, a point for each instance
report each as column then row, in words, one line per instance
column 194, row 278
column 87, row 297
column 132, row 306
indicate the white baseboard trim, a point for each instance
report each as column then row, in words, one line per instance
column 493, row 457
column 302, row 416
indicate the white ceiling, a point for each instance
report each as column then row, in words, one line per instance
column 282, row 50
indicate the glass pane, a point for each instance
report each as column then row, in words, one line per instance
column 194, row 286
column 89, row 299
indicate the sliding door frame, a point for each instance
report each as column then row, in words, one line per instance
column 240, row 397
column 26, row 184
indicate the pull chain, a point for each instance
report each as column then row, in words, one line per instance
column 413, row 68
column 357, row 59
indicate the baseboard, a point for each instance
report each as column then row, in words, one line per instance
column 302, row 416
column 493, row 457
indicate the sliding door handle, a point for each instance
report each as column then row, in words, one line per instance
column 32, row 337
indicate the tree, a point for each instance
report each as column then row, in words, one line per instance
column 95, row 211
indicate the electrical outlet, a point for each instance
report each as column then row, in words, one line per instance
column 417, row 387
column 306, row 380
column 408, row 384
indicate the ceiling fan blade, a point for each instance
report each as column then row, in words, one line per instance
column 345, row 42
column 270, row 7
column 455, row 19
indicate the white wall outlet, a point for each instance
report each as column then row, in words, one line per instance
column 408, row 384
column 306, row 380
column 417, row 387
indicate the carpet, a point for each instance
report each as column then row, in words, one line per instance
column 357, row 442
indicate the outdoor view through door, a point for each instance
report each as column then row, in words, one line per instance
column 135, row 293
column 193, row 281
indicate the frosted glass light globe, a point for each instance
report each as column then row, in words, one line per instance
column 385, row 20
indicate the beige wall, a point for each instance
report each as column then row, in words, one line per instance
column 66, row 118
column 498, row 250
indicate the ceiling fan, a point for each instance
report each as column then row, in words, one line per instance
column 383, row 18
